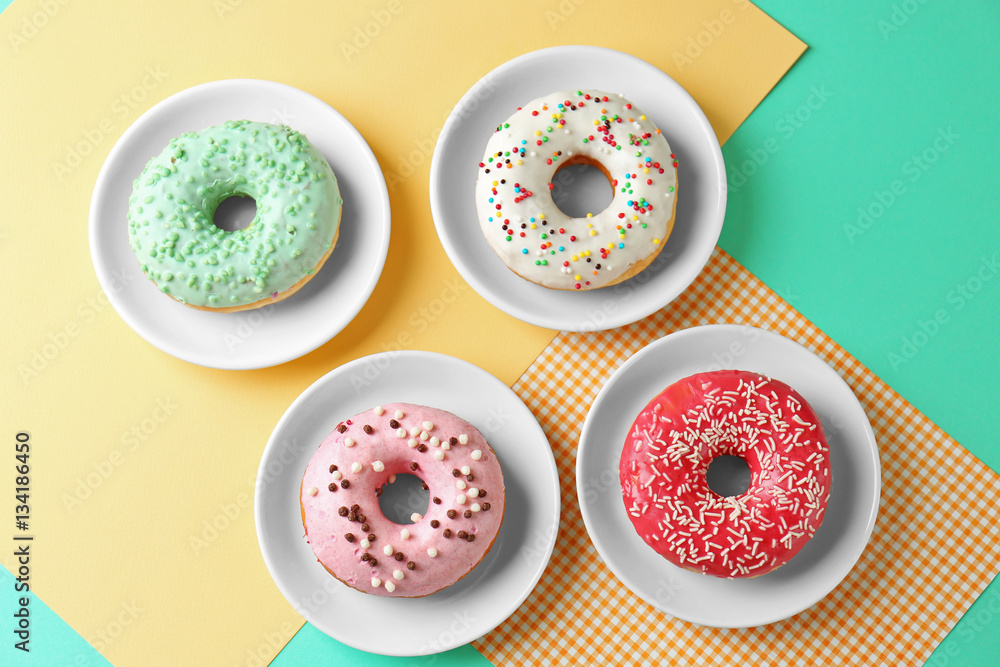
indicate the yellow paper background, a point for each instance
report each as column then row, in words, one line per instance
column 163, row 446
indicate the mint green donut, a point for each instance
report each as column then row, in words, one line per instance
column 173, row 202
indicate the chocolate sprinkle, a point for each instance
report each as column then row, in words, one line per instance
column 345, row 483
column 342, row 511
column 462, row 534
column 452, row 514
column 435, row 523
column 446, row 533
column 421, row 448
column 393, row 423
column 452, row 441
column 373, row 562
column 368, row 429
column 365, row 527
column 371, row 537
column 467, row 514
column 486, row 507
column 410, row 565
column 349, row 537
column 355, row 507
column 378, row 492
column 423, row 485
column 436, row 500
column 366, row 556
column 333, row 486
column 341, row 428
column 413, row 465
column 470, row 537
column 455, row 472
column 333, row 468
column 362, row 518
column 482, row 493
column 399, row 555
column 470, row 477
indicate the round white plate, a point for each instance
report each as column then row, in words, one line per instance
column 826, row 558
column 701, row 203
column 482, row 599
column 275, row 333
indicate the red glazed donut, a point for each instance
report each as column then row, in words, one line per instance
column 693, row 421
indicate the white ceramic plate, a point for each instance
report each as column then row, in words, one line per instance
column 275, row 333
column 701, row 203
column 482, row 599
column 822, row 563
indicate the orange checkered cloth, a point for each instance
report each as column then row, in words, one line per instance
column 935, row 547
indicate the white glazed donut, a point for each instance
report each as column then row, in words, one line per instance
column 527, row 230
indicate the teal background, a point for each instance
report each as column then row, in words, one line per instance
column 889, row 92
column 52, row 644
column 877, row 85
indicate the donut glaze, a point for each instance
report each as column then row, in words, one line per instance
column 189, row 258
column 522, row 223
column 354, row 540
column 675, row 438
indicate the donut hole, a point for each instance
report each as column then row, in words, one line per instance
column 401, row 499
column 581, row 186
column 729, row 475
column 235, row 212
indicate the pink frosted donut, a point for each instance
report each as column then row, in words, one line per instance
column 675, row 438
column 354, row 540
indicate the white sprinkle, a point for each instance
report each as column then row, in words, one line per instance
column 398, row 575
column 473, row 493
column 424, row 435
column 387, row 550
column 475, row 507
column 439, row 455
column 378, row 466
column 428, row 426
column 415, row 517
column 356, row 467
column 389, row 586
column 432, row 552
column 404, row 534
column 463, row 439
column 399, row 414
column 400, row 432
column 465, row 470
column 414, row 431
column 461, row 484
column 445, row 445
column 476, row 454
column 413, row 442
column 435, row 441
column 379, row 410
column 337, row 474
column 312, row 490
column 376, row 582
column 365, row 543
column 348, row 442
column 461, row 499
column 392, row 479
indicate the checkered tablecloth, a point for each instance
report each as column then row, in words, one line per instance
column 934, row 549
